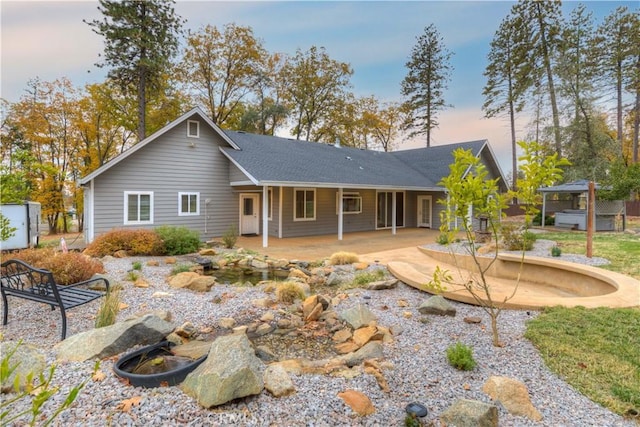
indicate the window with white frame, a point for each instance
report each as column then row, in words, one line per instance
column 304, row 204
column 188, row 204
column 138, row 207
column 193, row 129
column 351, row 203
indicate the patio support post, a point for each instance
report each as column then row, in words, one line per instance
column 544, row 208
column 265, row 216
column 280, row 213
column 393, row 213
column 340, row 213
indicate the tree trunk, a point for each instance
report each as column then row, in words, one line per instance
column 552, row 91
column 142, row 79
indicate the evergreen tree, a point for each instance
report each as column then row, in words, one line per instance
column 619, row 52
column 425, row 83
column 506, row 82
column 141, row 37
column 538, row 24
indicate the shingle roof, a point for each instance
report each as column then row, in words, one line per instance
column 274, row 160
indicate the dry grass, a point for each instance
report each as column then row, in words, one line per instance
column 289, row 292
column 343, row 258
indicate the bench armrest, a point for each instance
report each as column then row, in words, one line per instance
column 86, row 282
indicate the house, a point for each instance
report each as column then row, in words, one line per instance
column 192, row 173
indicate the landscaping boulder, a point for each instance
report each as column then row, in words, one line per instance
column 437, row 305
column 513, row 395
column 358, row 316
column 470, row 413
column 111, row 340
column 231, row 371
column 26, row 358
column 357, row 401
column 277, row 381
column 193, row 281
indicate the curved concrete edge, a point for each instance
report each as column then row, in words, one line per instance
column 625, row 295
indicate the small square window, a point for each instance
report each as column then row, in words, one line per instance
column 193, row 129
column 138, row 207
column 188, row 204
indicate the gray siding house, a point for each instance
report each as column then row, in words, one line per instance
column 192, row 173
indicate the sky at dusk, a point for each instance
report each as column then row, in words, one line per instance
column 49, row 40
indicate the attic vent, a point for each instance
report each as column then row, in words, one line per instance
column 348, row 158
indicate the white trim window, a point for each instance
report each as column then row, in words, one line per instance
column 188, row 204
column 193, row 129
column 138, row 207
column 351, row 203
column 304, row 204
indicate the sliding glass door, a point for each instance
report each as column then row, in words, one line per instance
column 384, row 214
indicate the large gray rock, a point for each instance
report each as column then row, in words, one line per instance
column 231, row 371
column 437, row 305
column 27, row 359
column 383, row 284
column 358, row 316
column 111, row 340
column 470, row 413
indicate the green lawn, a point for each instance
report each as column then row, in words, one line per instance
column 621, row 249
column 597, row 351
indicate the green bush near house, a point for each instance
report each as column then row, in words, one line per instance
column 230, row 237
column 178, row 240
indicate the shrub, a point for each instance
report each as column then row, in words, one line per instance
column 537, row 219
column 134, row 242
column 515, row 240
column 180, row 268
column 288, row 292
column 132, row 276
column 136, row 265
column 108, row 309
column 460, row 356
column 230, row 237
column 443, row 239
column 365, row 277
column 343, row 258
column 556, row 251
column 69, row 268
column 179, row 240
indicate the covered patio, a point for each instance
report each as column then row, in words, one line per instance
column 609, row 215
column 320, row 247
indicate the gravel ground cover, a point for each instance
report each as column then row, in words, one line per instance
column 418, row 370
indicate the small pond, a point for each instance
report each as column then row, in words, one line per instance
column 232, row 275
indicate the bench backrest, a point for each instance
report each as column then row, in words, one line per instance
column 19, row 277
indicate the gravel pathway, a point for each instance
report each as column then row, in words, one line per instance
column 418, row 367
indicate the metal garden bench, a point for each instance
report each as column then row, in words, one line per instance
column 19, row 279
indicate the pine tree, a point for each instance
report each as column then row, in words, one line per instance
column 141, row 37
column 506, row 82
column 425, row 83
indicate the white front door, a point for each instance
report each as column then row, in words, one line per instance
column 424, row 211
column 249, row 218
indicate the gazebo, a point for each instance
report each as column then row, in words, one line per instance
column 610, row 215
